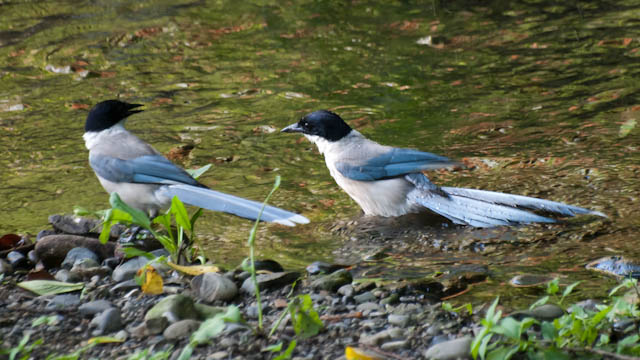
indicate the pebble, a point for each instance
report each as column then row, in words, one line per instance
column 270, row 281
column 450, row 350
column 94, row 307
column 212, row 286
column 174, row 308
column 333, row 281
column 346, row 290
column 368, row 307
column 65, row 301
column 364, row 297
column 546, row 312
column 181, row 329
column 5, row 267
column 382, row 336
column 218, row 355
column 125, row 285
column 17, row 260
column 399, row 320
column 268, row 265
column 128, row 270
column 394, row 345
column 77, row 254
column 107, row 321
column 156, row 325
column 52, row 249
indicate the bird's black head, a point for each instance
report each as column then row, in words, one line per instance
column 322, row 123
column 108, row 113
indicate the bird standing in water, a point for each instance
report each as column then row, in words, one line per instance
column 388, row 181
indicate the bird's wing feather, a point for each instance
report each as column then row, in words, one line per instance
column 393, row 163
column 148, row 169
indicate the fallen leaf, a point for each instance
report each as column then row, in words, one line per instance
column 151, row 280
column 9, row 241
column 48, row 287
column 194, row 269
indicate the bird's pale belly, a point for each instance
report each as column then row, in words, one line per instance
column 381, row 197
column 140, row 196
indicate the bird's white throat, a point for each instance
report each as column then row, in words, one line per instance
column 91, row 138
column 324, row 145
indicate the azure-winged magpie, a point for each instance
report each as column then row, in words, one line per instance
column 388, row 181
column 146, row 180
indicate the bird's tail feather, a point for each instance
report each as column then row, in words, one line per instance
column 218, row 201
column 482, row 208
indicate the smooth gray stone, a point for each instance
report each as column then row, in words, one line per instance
column 333, row 281
column 128, row 270
column 174, row 308
column 346, row 290
column 65, row 301
column 450, row 350
column 94, row 307
column 107, row 321
column 399, row 320
column 77, row 254
column 270, row 281
column 181, row 329
column 366, row 296
column 212, row 286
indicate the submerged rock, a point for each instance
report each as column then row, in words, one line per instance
column 270, row 281
column 616, row 266
column 529, row 280
column 332, row 282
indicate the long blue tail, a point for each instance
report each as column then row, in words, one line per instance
column 218, row 201
column 482, row 208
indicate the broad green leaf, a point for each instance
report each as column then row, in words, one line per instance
column 508, row 327
column 195, row 217
column 130, row 252
column 180, row 213
column 195, row 173
column 548, row 330
column 233, row 314
column 626, row 127
column 274, row 348
column 137, row 217
column 287, row 353
column 185, row 354
column 554, row 354
column 208, row 329
column 50, row 287
column 553, row 286
column 543, row 300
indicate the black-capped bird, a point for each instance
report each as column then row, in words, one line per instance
column 388, row 181
column 146, row 180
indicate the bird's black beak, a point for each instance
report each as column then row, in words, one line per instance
column 293, row 128
column 130, row 108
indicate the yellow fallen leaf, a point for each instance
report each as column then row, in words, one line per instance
column 104, row 340
column 194, row 269
column 352, row 353
column 151, row 281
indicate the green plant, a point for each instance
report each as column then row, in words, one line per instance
column 209, row 329
column 580, row 333
column 146, row 354
column 172, row 242
column 23, row 350
column 553, row 287
column 250, row 266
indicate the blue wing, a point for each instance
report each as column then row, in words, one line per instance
column 396, row 162
column 149, row 169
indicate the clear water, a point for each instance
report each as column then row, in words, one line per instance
column 542, row 96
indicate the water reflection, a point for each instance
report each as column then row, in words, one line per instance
column 538, row 91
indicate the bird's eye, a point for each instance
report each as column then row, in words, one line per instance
column 305, row 124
